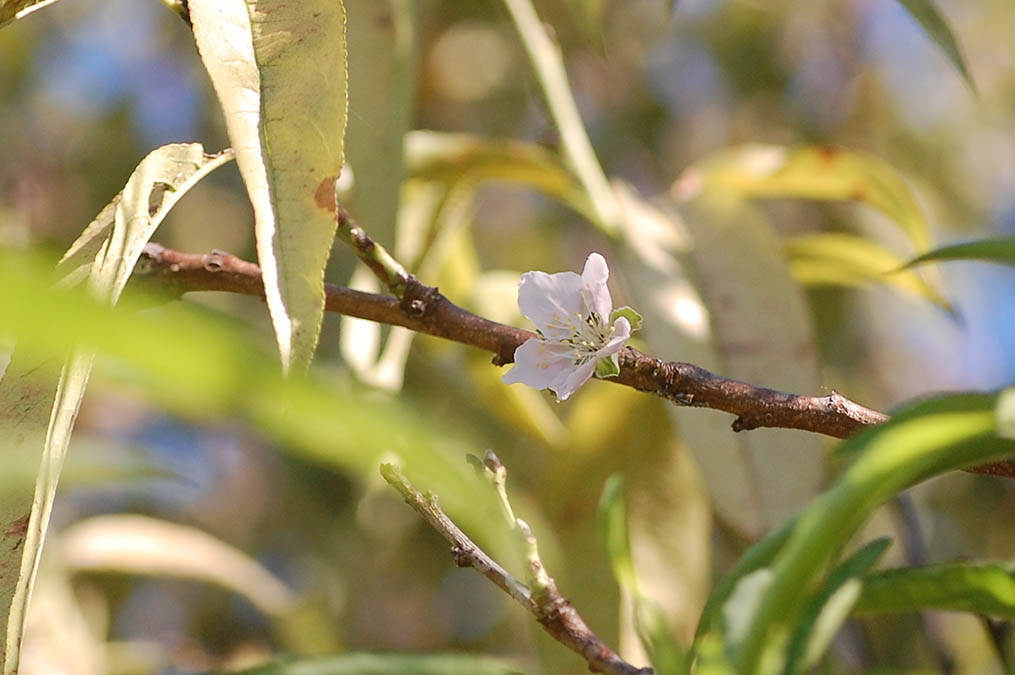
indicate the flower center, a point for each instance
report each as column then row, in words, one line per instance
column 588, row 332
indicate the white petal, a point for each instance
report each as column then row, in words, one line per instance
column 594, row 277
column 551, row 301
column 540, row 364
column 574, row 380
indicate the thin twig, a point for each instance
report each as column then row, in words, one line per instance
column 424, row 310
column 553, row 611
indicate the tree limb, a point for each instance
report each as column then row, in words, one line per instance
column 553, row 611
column 424, row 310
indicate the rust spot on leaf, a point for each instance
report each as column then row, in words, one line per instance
column 859, row 193
column 17, row 528
column 827, row 153
column 324, row 195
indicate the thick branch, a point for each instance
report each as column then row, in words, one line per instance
column 556, row 614
column 424, row 310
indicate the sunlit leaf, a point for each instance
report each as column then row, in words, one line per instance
column 389, row 664
column 35, row 403
column 1000, row 251
column 938, row 30
column 279, row 71
column 987, row 589
column 830, row 606
column 757, row 170
column 448, row 157
column 837, row 259
column 140, row 545
column 928, row 438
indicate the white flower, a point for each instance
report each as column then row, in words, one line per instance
column 573, row 315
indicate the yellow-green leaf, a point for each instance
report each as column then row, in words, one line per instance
column 834, row 174
column 442, row 156
column 838, row 259
column 279, row 71
column 39, row 402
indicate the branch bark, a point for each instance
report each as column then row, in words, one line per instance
column 553, row 611
column 424, row 310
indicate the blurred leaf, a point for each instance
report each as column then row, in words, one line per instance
column 928, row 438
column 987, row 589
column 382, row 50
column 650, row 622
column 756, row 557
column 758, row 170
column 137, row 545
column 382, row 46
column 389, row 664
column 547, row 62
column 589, row 14
column 27, row 393
column 938, row 30
column 200, row 367
column 278, row 69
column 742, row 604
column 757, row 329
column 11, row 10
column 1001, row 251
column 838, row 259
column 442, row 156
column 830, row 606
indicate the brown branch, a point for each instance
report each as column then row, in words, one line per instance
column 424, row 310
column 553, row 611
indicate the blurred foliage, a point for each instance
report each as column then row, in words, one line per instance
column 191, row 391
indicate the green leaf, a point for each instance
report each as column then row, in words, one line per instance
column 756, row 557
column 758, row 170
column 987, row 589
column 742, row 604
column 279, row 71
column 448, row 157
column 1000, row 251
column 200, row 367
column 12, row 10
column 382, row 39
column 837, row 259
column 926, row 439
column 32, row 386
column 650, row 623
column 389, row 664
column 633, row 317
column 608, row 367
column 830, row 606
column 938, row 30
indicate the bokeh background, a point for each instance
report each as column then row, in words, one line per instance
column 88, row 88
